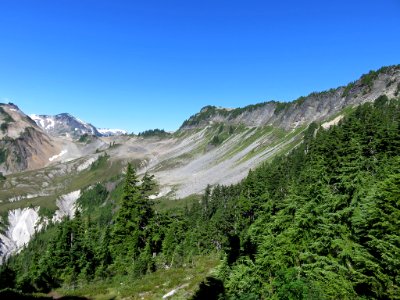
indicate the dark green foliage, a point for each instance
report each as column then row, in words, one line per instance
column 390, row 83
column 4, row 127
column 93, row 197
column 397, row 92
column 249, row 108
column 209, row 111
column 7, row 276
column 280, row 107
column 368, row 79
column 154, row 133
column 215, row 141
column 347, row 89
column 221, row 133
column 3, row 155
column 132, row 240
column 205, row 113
column 381, row 101
column 319, row 223
column 6, row 117
column 70, row 253
column 101, row 162
column 84, row 138
column 211, row 288
column 6, row 120
column 301, row 100
column 46, row 212
column 326, row 229
column 11, row 294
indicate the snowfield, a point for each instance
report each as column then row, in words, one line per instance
column 111, row 132
column 23, row 223
column 58, row 155
column 66, row 206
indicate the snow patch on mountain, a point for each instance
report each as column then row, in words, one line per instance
column 111, row 132
column 66, row 206
column 81, row 121
column 23, row 223
column 46, row 122
column 58, row 155
column 64, row 125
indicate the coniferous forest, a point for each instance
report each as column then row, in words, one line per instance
column 322, row 222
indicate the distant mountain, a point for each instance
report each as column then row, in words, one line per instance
column 111, row 132
column 23, row 145
column 64, row 125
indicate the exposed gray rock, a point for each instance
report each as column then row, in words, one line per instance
column 314, row 107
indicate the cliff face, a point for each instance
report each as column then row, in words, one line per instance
column 23, row 145
column 314, row 107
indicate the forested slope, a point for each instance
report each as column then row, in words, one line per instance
column 322, row 222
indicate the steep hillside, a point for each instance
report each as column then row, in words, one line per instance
column 215, row 146
column 317, row 223
column 23, row 145
column 314, row 107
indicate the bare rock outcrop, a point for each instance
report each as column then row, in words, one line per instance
column 23, row 145
column 304, row 110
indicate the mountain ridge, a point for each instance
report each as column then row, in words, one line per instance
column 64, row 125
column 314, row 107
column 287, row 116
column 220, row 148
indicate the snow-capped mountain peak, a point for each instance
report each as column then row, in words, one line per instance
column 111, row 132
column 64, row 125
column 45, row 122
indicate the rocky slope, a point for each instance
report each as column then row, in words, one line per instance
column 314, row 107
column 23, row 145
column 215, row 146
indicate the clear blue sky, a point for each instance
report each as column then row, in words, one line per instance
column 151, row 64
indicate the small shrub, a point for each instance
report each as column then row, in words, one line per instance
column 368, row 79
column 347, row 89
column 100, row 162
column 7, row 117
column 397, row 92
column 390, row 83
column 4, row 127
column 154, row 132
column 281, row 106
column 84, row 138
column 3, row 156
column 215, row 140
